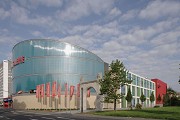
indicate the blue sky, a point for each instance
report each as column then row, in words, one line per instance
column 144, row 34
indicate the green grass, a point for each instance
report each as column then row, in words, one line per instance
column 170, row 113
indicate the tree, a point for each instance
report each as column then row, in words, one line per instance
column 152, row 98
column 159, row 98
column 142, row 98
column 113, row 79
column 129, row 98
column 171, row 92
column 166, row 100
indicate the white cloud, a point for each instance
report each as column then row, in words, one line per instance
column 159, row 8
column 129, row 14
column 138, row 35
column 166, row 37
column 80, row 8
column 115, row 12
column 37, row 34
column 35, row 3
column 4, row 14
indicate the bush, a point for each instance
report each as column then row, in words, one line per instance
column 156, row 106
column 138, row 106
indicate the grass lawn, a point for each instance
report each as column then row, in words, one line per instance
column 170, row 113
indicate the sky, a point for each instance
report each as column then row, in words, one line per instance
column 143, row 34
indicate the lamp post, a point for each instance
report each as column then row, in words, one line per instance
column 179, row 76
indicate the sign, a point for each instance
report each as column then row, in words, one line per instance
column 54, row 89
column 42, row 90
column 59, row 90
column 48, row 89
column 71, row 91
column 66, row 89
column 38, row 91
column 19, row 60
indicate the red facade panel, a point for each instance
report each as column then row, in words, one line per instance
column 161, row 89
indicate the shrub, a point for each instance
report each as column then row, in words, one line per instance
column 138, row 106
column 156, row 106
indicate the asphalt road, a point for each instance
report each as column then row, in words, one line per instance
column 10, row 114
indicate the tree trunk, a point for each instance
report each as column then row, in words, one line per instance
column 114, row 104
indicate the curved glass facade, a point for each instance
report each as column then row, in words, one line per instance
column 50, row 60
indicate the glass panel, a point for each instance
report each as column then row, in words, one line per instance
column 133, row 90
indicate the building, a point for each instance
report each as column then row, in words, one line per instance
column 138, row 86
column 39, row 61
column 5, row 79
column 161, row 89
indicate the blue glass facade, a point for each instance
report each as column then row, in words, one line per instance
column 50, row 60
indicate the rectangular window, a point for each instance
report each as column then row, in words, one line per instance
column 129, row 76
column 145, row 83
column 141, row 90
column 141, row 82
column 138, row 81
column 145, row 92
column 133, row 90
column 138, row 91
column 123, row 91
column 134, row 79
column 150, row 85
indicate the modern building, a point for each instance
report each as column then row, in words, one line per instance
column 41, row 61
column 161, row 89
column 138, row 86
column 38, row 61
column 5, row 79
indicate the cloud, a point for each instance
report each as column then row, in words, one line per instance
column 137, row 35
column 160, row 8
column 4, row 14
column 81, row 8
column 114, row 12
column 37, row 34
column 167, row 37
column 31, row 4
column 129, row 15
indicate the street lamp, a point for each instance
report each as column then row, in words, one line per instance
column 179, row 76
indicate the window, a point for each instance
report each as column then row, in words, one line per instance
column 138, row 91
column 141, row 82
column 134, row 79
column 129, row 76
column 150, row 85
column 138, row 81
column 145, row 85
column 133, row 90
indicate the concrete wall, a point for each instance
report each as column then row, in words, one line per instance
column 30, row 101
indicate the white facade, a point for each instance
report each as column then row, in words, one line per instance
column 139, row 85
column 5, row 79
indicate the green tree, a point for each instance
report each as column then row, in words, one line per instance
column 129, row 98
column 152, row 98
column 142, row 98
column 159, row 98
column 166, row 100
column 113, row 79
